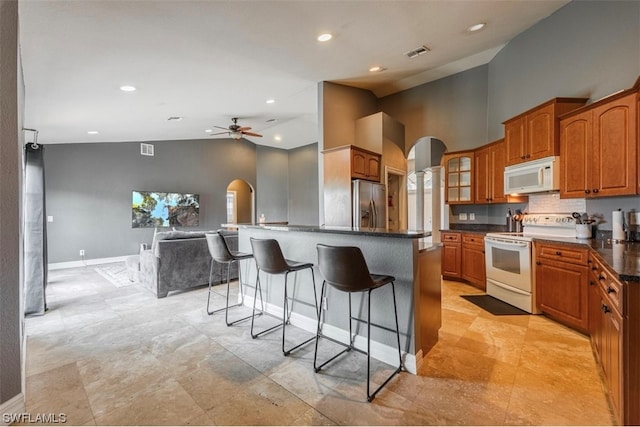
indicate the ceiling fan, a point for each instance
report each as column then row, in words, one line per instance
column 235, row 131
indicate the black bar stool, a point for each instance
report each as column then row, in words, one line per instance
column 345, row 268
column 221, row 253
column 269, row 258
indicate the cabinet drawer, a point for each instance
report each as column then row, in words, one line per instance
column 473, row 240
column 562, row 253
column 449, row 237
column 612, row 289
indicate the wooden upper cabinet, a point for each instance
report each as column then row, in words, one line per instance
column 598, row 147
column 489, row 173
column 459, row 177
column 534, row 134
column 365, row 165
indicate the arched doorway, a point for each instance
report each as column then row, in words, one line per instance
column 240, row 202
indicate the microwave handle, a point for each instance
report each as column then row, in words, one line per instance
column 541, row 176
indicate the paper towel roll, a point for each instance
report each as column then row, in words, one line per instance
column 617, row 225
column 618, row 255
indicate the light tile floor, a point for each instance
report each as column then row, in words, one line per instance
column 118, row 356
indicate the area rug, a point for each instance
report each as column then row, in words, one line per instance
column 115, row 272
column 493, row 305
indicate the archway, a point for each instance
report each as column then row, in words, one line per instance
column 240, row 202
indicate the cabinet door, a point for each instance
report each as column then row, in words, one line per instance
column 358, row 164
column 451, row 259
column 373, row 167
column 473, row 266
column 562, row 292
column 611, row 354
column 540, row 141
column 498, row 162
column 614, row 148
column 595, row 314
column 514, row 134
column 575, row 155
column 459, row 178
column 483, row 171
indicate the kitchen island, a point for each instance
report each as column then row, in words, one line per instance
column 406, row 255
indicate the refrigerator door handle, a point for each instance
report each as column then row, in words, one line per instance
column 375, row 213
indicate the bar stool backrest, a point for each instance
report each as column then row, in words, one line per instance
column 344, row 268
column 268, row 256
column 218, row 248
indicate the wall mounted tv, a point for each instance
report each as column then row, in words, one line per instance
column 154, row 209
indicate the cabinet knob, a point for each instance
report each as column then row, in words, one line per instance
column 595, row 190
column 587, row 191
column 601, row 277
column 591, row 283
column 528, row 156
column 605, row 309
column 594, row 268
column 558, row 253
column 473, row 240
column 538, row 263
column 522, row 157
column 611, row 290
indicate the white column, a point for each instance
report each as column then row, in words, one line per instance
column 419, row 200
column 436, row 201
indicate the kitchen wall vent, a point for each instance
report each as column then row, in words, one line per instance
column 417, row 51
column 146, row 149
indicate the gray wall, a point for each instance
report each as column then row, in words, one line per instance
column 303, row 185
column 585, row 49
column 11, row 105
column 89, row 189
column 272, row 173
column 452, row 109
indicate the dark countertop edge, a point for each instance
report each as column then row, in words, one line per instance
column 341, row 230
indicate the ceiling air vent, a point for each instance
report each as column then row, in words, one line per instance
column 146, row 149
column 417, row 51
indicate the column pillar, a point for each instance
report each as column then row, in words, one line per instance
column 419, row 200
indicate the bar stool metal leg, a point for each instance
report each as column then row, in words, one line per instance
column 286, row 315
column 255, row 298
column 227, row 306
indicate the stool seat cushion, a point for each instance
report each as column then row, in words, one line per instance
column 297, row 265
column 381, row 280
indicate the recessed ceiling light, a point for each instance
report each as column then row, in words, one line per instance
column 324, row 37
column 93, row 132
column 175, row 118
column 376, row 69
column 208, row 130
column 271, row 101
column 476, row 27
column 277, row 138
column 128, row 88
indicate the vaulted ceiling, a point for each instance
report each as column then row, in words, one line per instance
column 206, row 62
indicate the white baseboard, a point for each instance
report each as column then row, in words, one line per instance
column 14, row 405
column 379, row 351
column 94, row 261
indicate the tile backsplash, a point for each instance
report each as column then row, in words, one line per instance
column 552, row 203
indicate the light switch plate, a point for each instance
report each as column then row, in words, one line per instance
column 462, row 217
column 472, row 216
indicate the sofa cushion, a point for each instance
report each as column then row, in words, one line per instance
column 172, row 235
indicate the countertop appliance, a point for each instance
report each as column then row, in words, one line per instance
column 369, row 204
column 533, row 177
column 509, row 256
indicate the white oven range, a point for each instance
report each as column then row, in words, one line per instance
column 509, row 256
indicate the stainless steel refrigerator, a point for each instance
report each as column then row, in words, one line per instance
column 369, row 204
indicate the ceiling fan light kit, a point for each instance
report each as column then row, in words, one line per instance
column 235, row 131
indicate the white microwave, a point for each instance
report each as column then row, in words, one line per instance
column 533, row 177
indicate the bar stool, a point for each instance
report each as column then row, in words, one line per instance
column 269, row 258
column 221, row 253
column 345, row 269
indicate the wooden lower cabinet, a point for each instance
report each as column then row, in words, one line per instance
column 562, row 293
column 473, row 263
column 451, row 255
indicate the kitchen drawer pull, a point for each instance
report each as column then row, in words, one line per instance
column 611, row 290
column 591, row 283
column 594, row 268
column 595, row 190
column 605, row 309
column 558, row 253
column 587, row 191
column 601, row 277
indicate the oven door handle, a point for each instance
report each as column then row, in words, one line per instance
column 507, row 243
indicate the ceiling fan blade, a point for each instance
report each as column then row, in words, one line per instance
column 252, row 134
column 243, row 128
column 218, row 133
column 220, row 127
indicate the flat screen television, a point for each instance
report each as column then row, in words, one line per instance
column 154, row 209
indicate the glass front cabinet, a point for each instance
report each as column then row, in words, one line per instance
column 459, row 178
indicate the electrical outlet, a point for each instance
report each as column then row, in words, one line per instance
column 472, row 216
column 49, row 218
column 81, row 252
column 324, row 303
column 462, row 217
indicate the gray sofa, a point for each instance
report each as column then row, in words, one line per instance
column 179, row 260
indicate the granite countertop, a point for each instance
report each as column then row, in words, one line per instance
column 381, row 232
